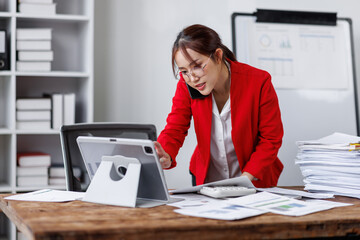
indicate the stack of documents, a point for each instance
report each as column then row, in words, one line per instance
column 331, row 164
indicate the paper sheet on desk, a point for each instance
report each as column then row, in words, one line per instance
column 48, row 195
column 238, row 181
column 221, row 211
column 284, row 191
column 193, row 200
column 283, row 205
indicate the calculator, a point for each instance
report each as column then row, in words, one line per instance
column 226, row 191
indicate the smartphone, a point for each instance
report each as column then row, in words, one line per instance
column 195, row 94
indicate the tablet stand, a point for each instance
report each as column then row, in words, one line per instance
column 115, row 182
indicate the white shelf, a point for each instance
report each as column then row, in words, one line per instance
column 55, row 74
column 5, row 73
column 5, row 14
column 5, row 187
column 29, row 189
column 38, row 132
column 57, row 17
column 71, row 71
column 5, row 131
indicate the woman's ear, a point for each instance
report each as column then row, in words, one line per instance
column 218, row 55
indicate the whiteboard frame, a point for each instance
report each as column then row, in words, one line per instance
column 233, row 33
column 287, row 153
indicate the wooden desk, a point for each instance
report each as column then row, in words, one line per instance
column 81, row 220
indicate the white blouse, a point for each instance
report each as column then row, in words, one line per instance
column 223, row 160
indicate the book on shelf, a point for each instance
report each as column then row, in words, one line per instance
column 35, row 55
column 41, row 66
column 33, row 125
column 31, row 181
column 58, row 171
column 33, row 33
column 32, row 171
column 28, row 45
column 33, row 104
column 56, row 109
column 69, row 108
column 57, row 181
column 37, row 8
column 33, row 115
column 33, row 159
column 36, row 1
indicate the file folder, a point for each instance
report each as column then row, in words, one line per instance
column 4, row 53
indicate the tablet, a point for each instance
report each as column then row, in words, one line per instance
column 152, row 185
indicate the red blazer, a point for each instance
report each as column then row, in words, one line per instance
column 257, row 129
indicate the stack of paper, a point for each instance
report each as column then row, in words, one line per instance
column 331, row 164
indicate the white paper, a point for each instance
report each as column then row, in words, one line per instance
column 331, row 164
column 48, row 195
column 335, row 138
column 296, row 193
column 329, row 203
column 238, row 181
column 337, row 190
column 193, row 200
column 279, row 204
column 221, row 211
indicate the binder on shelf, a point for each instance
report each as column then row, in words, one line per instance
column 56, row 109
column 69, row 108
column 4, row 51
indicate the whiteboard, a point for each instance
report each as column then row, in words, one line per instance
column 313, row 74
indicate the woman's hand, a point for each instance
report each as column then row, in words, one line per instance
column 251, row 177
column 165, row 159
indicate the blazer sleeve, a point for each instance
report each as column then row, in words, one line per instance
column 177, row 122
column 264, row 160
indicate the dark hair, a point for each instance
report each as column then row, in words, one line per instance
column 201, row 39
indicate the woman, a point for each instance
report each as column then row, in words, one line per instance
column 235, row 109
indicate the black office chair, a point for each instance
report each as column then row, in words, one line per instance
column 71, row 153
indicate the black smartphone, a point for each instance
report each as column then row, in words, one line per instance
column 194, row 94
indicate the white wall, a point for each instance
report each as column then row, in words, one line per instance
column 133, row 40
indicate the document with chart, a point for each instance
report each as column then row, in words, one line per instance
column 283, row 205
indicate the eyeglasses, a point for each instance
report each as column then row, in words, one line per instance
column 196, row 71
